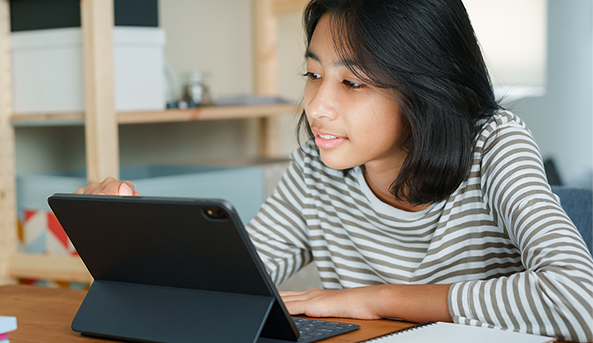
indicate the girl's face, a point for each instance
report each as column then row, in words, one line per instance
column 353, row 123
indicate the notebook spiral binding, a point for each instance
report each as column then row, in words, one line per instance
column 409, row 328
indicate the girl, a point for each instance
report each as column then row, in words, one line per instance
column 417, row 196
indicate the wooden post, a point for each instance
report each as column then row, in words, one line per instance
column 265, row 39
column 102, row 144
column 282, row 7
column 8, row 215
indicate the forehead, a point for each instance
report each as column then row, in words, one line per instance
column 324, row 47
column 322, row 38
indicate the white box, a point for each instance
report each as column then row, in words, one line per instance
column 48, row 77
column 244, row 187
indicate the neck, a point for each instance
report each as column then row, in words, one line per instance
column 380, row 180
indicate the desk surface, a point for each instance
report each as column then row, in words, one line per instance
column 45, row 314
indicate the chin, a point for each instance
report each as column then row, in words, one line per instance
column 336, row 162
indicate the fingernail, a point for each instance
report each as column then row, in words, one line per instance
column 125, row 189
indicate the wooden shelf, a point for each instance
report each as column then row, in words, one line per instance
column 173, row 115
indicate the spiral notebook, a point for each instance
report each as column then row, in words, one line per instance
column 456, row 333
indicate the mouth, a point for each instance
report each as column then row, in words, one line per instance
column 327, row 136
column 327, row 140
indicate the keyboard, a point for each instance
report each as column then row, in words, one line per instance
column 312, row 330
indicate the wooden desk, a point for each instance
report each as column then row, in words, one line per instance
column 45, row 314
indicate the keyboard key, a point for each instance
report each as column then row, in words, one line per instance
column 312, row 330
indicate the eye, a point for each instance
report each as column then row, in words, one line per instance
column 312, row 76
column 352, row 85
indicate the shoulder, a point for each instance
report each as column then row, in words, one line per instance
column 502, row 132
column 308, row 170
column 501, row 122
column 308, row 159
column 507, row 156
column 305, row 154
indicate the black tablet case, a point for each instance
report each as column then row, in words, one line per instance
column 164, row 271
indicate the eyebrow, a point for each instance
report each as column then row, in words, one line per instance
column 338, row 63
column 309, row 54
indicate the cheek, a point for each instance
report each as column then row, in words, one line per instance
column 309, row 93
column 383, row 124
column 307, row 101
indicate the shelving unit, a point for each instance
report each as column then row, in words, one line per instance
column 8, row 216
column 172, row 115
column 101, row 121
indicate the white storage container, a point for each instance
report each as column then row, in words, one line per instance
column 244, row 187
column 47, row 70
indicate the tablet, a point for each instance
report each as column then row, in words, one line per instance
column 171, row 270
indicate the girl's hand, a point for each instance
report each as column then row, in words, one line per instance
column 345, row 303
column 109, row 186
column 414, row 303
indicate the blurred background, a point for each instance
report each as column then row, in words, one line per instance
column 545, row 45
column 539, row 53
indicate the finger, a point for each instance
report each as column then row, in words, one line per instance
column 88, row 189
column 312, row 307
column 295, row 307
column 108, row 188
column 131, row 186
column 298, row 297
column 288, row 293
column 125, row 190
column 311, row 290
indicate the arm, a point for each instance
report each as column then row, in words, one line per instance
column 279, row 230
column 554, row 295
column 416, row 303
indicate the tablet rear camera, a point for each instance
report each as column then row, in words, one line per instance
column 216, row 213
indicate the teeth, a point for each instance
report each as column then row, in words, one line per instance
column 327, row 137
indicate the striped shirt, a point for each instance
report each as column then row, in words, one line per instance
column 502, row 240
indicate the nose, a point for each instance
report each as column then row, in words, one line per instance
column 321, row 101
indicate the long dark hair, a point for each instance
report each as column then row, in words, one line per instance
column 427, row 53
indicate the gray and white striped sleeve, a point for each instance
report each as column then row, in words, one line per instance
column 554, row 296
column 279, row 230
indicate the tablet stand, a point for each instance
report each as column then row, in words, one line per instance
column 142, row 312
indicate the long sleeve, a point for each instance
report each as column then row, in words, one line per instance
column 279, row 231
column 554, row 295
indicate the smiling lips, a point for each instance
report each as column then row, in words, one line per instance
column 327, row 141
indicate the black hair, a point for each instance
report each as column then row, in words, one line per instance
column 427, row 53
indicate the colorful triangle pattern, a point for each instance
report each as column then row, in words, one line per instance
column 42, row 233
